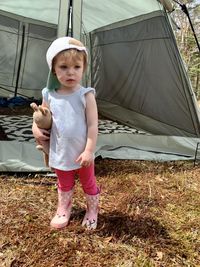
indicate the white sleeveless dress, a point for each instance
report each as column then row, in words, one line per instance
column 69, row 129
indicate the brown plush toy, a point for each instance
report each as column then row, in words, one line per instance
column 42, row 118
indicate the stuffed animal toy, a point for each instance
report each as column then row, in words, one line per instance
column 42, row 118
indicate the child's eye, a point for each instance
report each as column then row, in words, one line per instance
column 77, row 67
column 63, row 66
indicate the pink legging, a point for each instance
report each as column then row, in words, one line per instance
column 66, row 179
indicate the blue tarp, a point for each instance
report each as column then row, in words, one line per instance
column 16, row 101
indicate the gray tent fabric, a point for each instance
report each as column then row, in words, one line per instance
column 136, row 70
column 24, row 43
column 147, row 147
column 20, row 157
column 134, row 65
column 23, row 156
column 40, row 10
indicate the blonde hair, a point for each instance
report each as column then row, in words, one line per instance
column 73, row 54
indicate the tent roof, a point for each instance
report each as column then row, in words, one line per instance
column 107, row 12
column 44, row 10
column 104, row 13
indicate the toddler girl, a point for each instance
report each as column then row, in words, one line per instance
column 74, row 128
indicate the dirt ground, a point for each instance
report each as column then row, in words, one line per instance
column 149, row 216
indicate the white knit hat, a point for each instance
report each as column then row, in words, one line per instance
column 58, row 45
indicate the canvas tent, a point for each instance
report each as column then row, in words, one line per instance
column 135, row 66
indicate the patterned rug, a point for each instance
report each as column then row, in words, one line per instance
column 18, row 128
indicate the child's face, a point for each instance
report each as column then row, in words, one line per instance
column 68, row 71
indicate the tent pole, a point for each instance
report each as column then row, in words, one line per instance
column 185, row 10
column 20, row 60
column 77, row 19
column 70, row 21
column 63, row 18
column 70, row 16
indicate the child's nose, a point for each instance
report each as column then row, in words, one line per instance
column 70, row 70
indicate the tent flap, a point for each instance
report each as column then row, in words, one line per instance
column 136, row 70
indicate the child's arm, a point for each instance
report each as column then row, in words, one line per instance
column 86, row 158
column 40, row 134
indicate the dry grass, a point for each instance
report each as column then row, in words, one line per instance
column 149, row 216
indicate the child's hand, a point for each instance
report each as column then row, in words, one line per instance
column 40, row 134
column 85, row 159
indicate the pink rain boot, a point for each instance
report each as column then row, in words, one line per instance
column 63, row 213
column 90, row 219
